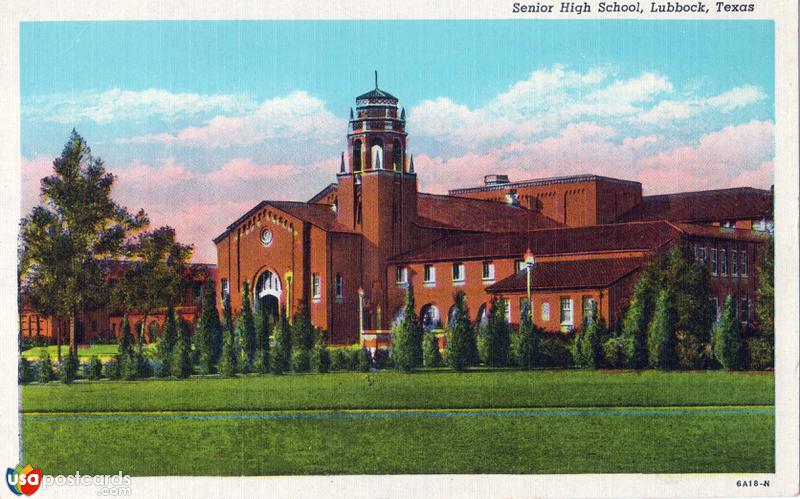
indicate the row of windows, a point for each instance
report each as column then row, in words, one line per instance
column 722, row 261
column 429, row 314
column 458, row 273
column 316, row 287
column 742, row 308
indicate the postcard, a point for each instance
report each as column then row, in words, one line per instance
column 510, row 249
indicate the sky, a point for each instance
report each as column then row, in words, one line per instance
column 200, row 121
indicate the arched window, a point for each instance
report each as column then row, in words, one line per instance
column 429, row 316
column 377, row 154
column 397, row 156
column 399, row 315
column 357, row 156
column 483, row 316
column 451, row 317
column 153, row 331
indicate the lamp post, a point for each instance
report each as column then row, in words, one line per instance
column 361, row 316
column 530, row 261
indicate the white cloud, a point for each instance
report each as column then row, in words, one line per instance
column 737, row 97
column 122, row 105
column 294, row 118
column 549, row 99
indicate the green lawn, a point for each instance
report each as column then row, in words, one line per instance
column 389, row 389
column 456, row 444
column 565, row 422
column 104, row 352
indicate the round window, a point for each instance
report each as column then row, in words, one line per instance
column 266, row 237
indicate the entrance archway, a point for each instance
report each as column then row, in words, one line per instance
column 268, row 294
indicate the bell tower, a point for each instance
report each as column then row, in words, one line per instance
column 377, row 193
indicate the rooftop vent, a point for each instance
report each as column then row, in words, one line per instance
column 489, row 180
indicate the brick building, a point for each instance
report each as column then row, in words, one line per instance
column 107, row 322
column 361, row 241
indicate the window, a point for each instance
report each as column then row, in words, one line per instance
column 545, row 312
column 734, row 262
column 519, row 265
column 397, row 153
column 226, row 288
column 714, row 262
column 315, row 287
column 488, row 271
column 458, row 272
column 401, row 275
column 357, row 156
column 588, row 310
column 723, row 257
column 745, row 308
column 339, row 286
column 524, row 307
column 429, row 274
column 701, row 254
column 566, row 313
column 506, row 305
column 743, row 265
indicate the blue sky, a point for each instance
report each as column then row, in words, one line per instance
column 223, row 114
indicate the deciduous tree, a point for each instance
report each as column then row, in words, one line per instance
column 153, row 274
column 68, row 239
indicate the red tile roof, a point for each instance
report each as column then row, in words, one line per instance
column 642, row 236
column 449, row 212
column 320, row 215
column 569, row 179
column 722, row 232
column 316, row 198
column 573, row 274
column 741, row 203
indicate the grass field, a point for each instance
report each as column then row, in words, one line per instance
column 387, row 422
column 104, row 352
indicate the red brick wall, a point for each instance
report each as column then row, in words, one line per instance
column 574, row 203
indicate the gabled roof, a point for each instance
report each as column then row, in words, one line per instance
column 317, row 214
column 638, row 236
column 450, row 212
column 722, row 232
column 740, row 203
column 316, row 198
column 572, row 274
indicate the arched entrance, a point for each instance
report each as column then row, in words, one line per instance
column 268, row 294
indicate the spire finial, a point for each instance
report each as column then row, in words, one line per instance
column 411, row 166
column 376, row 79
column 341, row 167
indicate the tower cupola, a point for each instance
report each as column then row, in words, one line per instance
column 376, row 136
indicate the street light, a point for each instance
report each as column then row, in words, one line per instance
column 530, row 261
column 361, row 316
